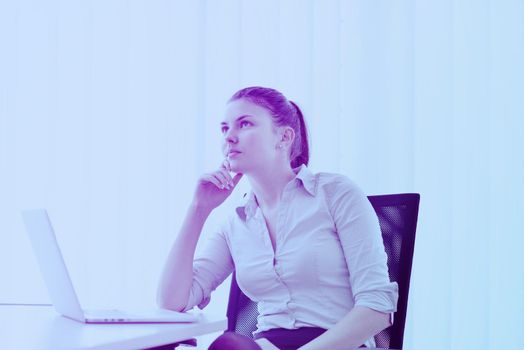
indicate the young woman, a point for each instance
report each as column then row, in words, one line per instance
column 307, row 247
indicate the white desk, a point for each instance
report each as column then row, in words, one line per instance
column 40, row 327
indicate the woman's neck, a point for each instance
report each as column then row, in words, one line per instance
column 269, row 185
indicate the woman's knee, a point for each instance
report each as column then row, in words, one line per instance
column 233, row 341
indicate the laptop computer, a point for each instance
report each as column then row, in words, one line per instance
column 60, row 286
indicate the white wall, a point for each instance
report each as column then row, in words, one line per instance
column 110, row 110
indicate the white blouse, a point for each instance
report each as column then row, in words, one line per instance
column 329, row 256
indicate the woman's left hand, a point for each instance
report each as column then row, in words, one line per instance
column 266, row 344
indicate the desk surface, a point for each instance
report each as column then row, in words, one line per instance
column 40, row 327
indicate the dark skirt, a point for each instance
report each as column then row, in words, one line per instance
column 284, row 339
column 290, row 339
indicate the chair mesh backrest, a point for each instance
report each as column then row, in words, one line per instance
column 397, row 214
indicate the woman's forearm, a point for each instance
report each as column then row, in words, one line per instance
column 177, row 276
column 353, row 330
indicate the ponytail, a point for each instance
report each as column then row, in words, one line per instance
column 302, row 147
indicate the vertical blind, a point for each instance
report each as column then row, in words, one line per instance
column 109, row 111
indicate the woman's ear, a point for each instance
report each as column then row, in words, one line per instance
column 287, row 136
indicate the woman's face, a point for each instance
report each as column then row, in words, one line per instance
column 250, row 140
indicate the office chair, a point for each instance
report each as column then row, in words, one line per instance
column 397, row 214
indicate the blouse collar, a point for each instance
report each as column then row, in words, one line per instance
column 304, row 178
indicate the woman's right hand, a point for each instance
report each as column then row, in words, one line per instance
column 214, row 188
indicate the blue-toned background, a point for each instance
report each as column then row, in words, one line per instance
column 109, row 110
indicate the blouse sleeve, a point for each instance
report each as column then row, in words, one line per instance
column 211, row 266
column 361, row 239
